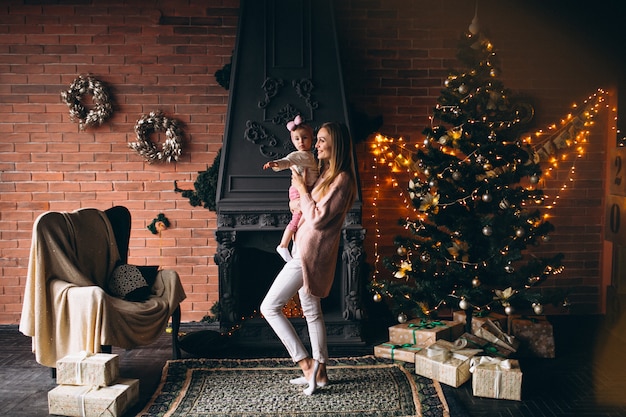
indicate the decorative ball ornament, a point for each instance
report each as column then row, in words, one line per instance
column 504, row 204
column 102, row 108
column 487, row 198
column 377, row 298
column 508, row 310
column 464, row 304
column 545, row 238
column 425, row 257
column 456, row 175
column 463, row 89
column 487, row 230
column 534, row 179
column 537, row 308
column 157, row 122
column 402, row 318
column 401, row 251
column 475, row 283
column 509, row 268
column 520, row 232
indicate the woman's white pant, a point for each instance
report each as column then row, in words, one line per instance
column 287, row 283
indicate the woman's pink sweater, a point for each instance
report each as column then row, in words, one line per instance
column 319, row 234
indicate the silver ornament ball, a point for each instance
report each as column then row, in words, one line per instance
column 402, row 318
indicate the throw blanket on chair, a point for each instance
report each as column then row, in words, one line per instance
column 66, row 308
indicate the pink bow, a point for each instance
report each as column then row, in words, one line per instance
column 291, row 126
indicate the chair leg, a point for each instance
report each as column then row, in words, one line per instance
column 175, row 328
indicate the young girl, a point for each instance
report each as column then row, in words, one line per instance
column 311, row 271
column 304, row 161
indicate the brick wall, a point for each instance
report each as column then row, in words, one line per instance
column 163, row 56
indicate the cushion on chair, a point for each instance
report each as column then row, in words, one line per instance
column 128, row 282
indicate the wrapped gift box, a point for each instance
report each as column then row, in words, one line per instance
column 491, row 332
column 496, row 378
column 87, row 401
column 392, row 351
column 443, row 362
column 478, row 320
column 471, row 341
column 99, row 369
column 535, row 336
column 423, row 333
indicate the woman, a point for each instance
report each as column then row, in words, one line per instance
column 311, row 271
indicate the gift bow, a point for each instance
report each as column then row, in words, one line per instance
column 487, row 347
column 495, row 364
column 442, row 353
column 427, row 324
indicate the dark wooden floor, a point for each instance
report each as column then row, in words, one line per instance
column 588, row 377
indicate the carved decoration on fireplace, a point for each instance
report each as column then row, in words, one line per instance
column 257, row 134
column 352, row 257
column 271, row 87
column 304, row 87
column 225, row 258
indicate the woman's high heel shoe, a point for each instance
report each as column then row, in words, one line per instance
column 313, row 379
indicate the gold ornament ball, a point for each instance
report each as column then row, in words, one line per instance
column 534, row 179
column 401, row 251
column 475, row 283
column 538, row 308
column 509, row 310
column 377, row 298
column 464, row 304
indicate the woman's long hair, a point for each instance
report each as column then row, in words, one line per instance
column 340, row 160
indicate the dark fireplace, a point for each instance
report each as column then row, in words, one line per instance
column 286, row 63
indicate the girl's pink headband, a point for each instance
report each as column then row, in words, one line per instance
column 293, row 125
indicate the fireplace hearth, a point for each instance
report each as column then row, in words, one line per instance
column 286, row 63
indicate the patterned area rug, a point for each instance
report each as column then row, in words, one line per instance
column 364, row 386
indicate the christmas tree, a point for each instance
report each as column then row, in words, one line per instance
column 474, row 185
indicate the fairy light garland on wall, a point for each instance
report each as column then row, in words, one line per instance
column 550, row 146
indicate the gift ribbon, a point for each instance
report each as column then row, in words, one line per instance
column 488, row 347
column 82, row 355
column 81, row 400
column 406, row 346
column 495, row 364
column 423, row 325
column 442, row 353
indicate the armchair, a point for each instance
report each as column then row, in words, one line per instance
column 69, row 305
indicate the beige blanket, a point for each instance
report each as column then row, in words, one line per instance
column 66, row 309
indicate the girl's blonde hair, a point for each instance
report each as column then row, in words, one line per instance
column 340, row 160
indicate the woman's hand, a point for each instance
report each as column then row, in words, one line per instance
column 299, row 181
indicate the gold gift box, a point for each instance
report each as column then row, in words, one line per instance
column 405, row 353
column 423, row 333
column 491, row 332
column 100, row 369
column 496, row 378
column 444, row 362
column 535, row 335
column 477, row 321
column 88, row 401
